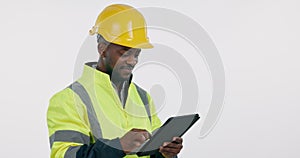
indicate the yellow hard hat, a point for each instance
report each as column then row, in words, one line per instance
column 124, row 25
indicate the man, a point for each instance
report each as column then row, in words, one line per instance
column 103, row 114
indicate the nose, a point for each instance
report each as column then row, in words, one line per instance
column 132, row 60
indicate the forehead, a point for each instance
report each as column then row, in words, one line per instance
column 120, row 47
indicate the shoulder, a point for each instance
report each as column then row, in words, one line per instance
column 64, row 95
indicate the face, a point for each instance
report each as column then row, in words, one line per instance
column 120, row 61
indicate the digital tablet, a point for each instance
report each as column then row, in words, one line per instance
column 173, row 127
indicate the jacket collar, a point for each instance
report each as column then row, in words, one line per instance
column 92, row 75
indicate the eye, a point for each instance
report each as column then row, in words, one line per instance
column 125, row 53
column 136, row 55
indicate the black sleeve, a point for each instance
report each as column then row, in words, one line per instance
column 106, row 149
column 101, row 149
column 159, row 155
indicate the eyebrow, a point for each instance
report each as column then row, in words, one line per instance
column 126, row 48
column 138, row 50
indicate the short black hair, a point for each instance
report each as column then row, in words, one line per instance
column 100, row 39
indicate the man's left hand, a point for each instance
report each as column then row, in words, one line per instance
column 171, row 149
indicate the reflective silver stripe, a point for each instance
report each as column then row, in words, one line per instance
column 84, row 96
column 69, row 136
column 71, row 152
column 143, row 95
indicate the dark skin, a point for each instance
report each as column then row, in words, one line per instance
column 118, row 61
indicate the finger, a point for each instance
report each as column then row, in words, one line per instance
column 169, row 151
column 142, row 131
column 140, row 137
column 173, row 145
column 169, row 144
column 146, row 135
column 177, row 140
column 166, row 154
column 165, row 144
column 164, row 150
column 137, row 143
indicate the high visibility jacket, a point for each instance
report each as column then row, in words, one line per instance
column 87, row 119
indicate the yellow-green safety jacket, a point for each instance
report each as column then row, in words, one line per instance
column 87, row 118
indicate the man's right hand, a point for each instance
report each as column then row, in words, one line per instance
column 134, row 139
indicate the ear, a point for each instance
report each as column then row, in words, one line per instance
column 101, row 49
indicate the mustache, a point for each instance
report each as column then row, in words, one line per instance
column 127, row 67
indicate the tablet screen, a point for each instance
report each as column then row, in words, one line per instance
column 173, row 127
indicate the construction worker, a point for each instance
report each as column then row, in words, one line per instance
column 103, row 114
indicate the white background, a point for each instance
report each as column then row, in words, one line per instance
column 257, row 40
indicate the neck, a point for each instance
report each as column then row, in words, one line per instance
column 118, row 84
column 115, row 80
column 100, row 66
